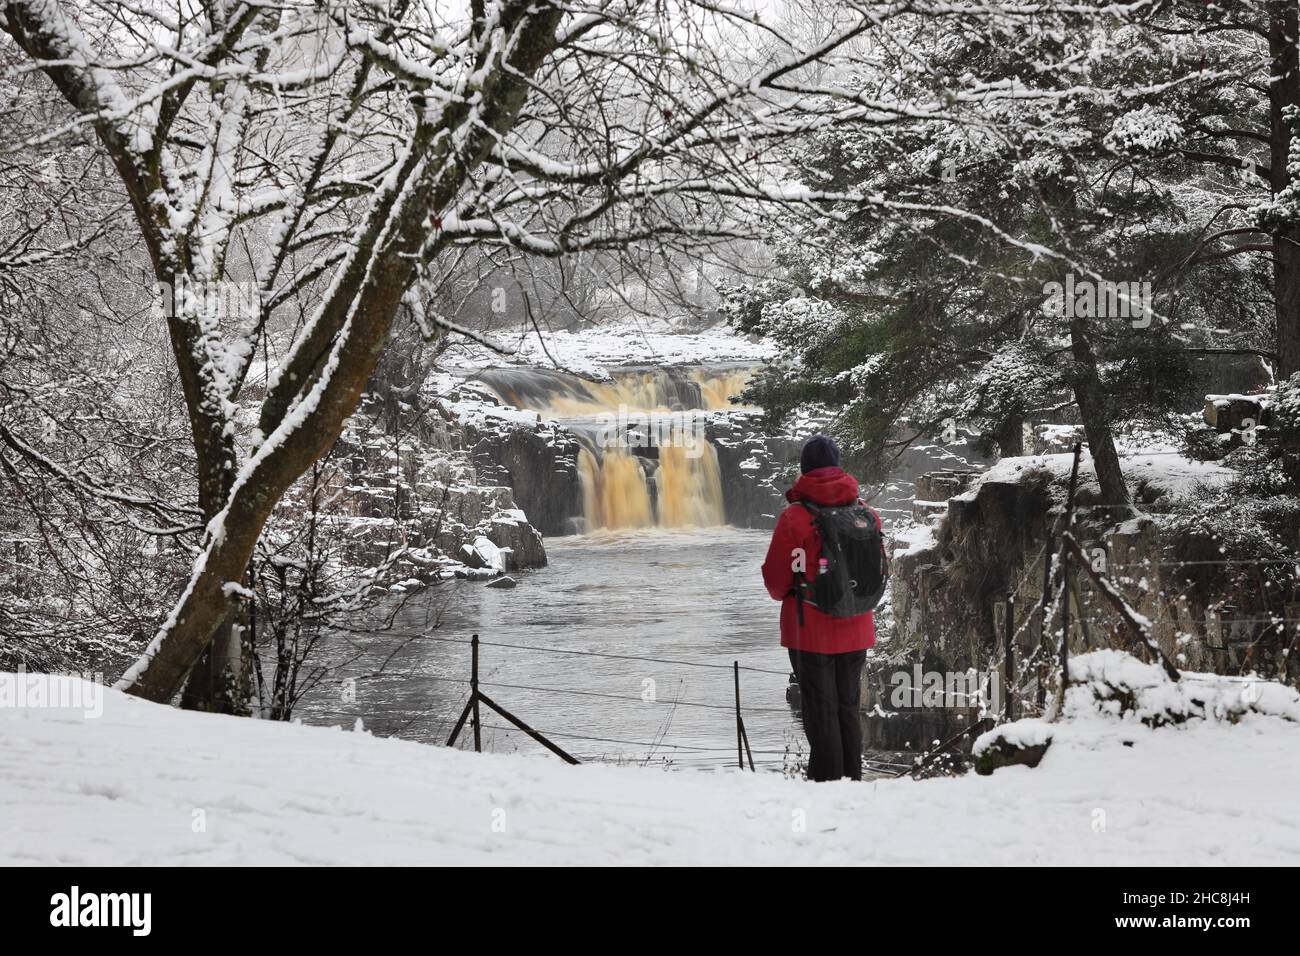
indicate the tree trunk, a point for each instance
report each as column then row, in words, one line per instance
column 1284, row 93
column 323, row 376
column 206, row 605
column 1094, row 409
column 1011, row 437
column 221, row 681
column 1286, row 295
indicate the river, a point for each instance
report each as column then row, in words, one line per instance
column 622, row 647
column 691, row 598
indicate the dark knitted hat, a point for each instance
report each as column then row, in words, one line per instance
column 818, row 452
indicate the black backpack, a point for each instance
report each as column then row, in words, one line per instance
column 857, row 568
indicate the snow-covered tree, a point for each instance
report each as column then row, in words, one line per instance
column 955, row 305
column 329, row 159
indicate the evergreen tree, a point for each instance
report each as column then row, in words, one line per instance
column 936, row 288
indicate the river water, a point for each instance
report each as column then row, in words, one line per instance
column 693, row 599
column 622, row 648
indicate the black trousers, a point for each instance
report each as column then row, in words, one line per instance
column 830, row 690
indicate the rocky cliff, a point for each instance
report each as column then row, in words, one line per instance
column 411, row 479
column 1220, row 597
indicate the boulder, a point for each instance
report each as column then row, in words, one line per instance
column 942, row 485
column 1232, row 413
column 1022, row 742
column 520, row 543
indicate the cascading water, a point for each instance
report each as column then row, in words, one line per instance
column 644, row 459
column 681, row 492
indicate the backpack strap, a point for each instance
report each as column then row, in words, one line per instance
column 816, row 512
column 799, row 586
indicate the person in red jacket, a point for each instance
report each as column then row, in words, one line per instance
column 827, row 653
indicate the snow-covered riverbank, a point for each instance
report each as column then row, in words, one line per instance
column 148, row 784
column 596, row 350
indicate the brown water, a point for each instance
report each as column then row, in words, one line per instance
column 646, row 461
column 617, row 488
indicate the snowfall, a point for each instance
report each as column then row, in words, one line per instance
column 116, row 780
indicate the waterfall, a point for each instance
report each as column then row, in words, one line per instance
column 681, row 492
column 614, row 491
column 717, row 389
column 644, row 459
column 690, row 489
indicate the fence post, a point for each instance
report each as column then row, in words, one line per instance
column 1065, row 573
column 1045, row 625
column 742, row 738
column 1010, row 680
column 471, row 712
column 740, row 747
column 473, row 693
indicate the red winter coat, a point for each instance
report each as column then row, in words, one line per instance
column 820, row 633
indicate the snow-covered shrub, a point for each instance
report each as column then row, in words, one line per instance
column 1118, row 685
column 1111, row 690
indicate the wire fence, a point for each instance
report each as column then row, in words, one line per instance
column 650, row 748
column 726, row 703
column 784, row 759
column 1021, row 615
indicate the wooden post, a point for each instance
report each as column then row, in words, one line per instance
column 474, row 694
column 1009, row 681
column 1065, row 573
column 1045, row 626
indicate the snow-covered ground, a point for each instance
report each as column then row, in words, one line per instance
column 1158, row 465
column 146, row 784
column 592, row 351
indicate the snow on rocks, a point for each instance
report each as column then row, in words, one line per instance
column 1117, row 684
column 592, row 351
column 1157, row 470
column 483, row 553
column 1114, row 697
column 127, row 787
column 912, row 539
column 1022, row 742
column 431, row 490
